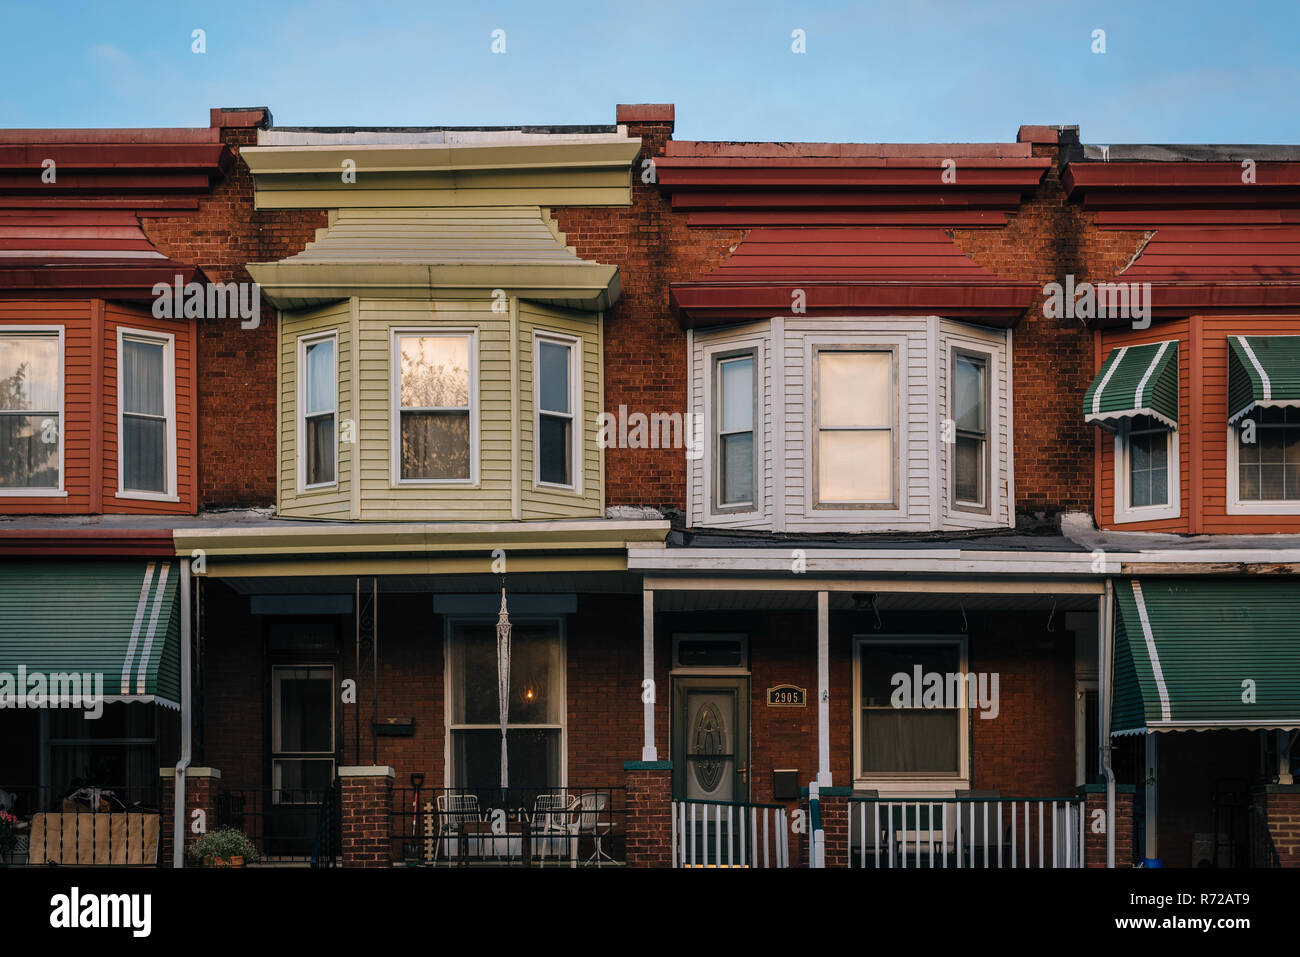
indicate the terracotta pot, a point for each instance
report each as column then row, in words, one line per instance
column 210, row 861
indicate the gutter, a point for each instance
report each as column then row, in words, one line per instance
column 178, row 822
column 1105, row 679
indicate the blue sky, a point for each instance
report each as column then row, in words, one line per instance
column 909, row 71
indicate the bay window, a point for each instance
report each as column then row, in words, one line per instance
column 31, row 411
column 555, row 402
column 854, row 431
column 970, row 415
column 734, row 451
column 318, row 422
column 434, row 406
column 146, row 414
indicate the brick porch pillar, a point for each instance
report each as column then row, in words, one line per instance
column 1281, row 803
column 201, row 787
column 365, row 802
column 1094, row 841
column 649, row 813
column 835, row 825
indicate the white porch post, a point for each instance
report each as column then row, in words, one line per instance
column 648, row 691
column 1284, row 775
column 823, row 690
column 1151, row 846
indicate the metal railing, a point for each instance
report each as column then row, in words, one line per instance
column 729, row 834
column 966, row 832
column 282, row 823
column 574, row 826
column 86, row 827
column 328, row 847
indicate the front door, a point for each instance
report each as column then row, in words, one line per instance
column 711, row 739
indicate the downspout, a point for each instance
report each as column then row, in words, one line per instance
column 1105, row 675
column 178, row 823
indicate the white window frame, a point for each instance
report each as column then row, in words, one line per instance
column 576, row 414
column 395, row 406
column 277, row 752
column 1234, row 504
column 59, row 491
column 304, row 342
column 449, row 758
column 168, row 341
column 897, row 441
column 909, row 783
column 1081, row 688
column 986, row 359
column 716, row 357
column 1124, row 512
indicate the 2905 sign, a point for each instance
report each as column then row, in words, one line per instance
column 786, row 696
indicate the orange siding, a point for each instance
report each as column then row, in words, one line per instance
column 1203, row 425
column 90, row 394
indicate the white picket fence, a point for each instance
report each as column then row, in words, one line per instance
column 714, row 834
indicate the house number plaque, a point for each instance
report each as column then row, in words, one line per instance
column 786, row 696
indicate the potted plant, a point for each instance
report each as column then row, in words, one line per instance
column 8, row 835
column 223, row 847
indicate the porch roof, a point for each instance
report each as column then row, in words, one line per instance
column 1196, row 655
column 117, row 619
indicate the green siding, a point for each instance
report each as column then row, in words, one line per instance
column 1210, row 638
column 76, row 616
column 1123, row 388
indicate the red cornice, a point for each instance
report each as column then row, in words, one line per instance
column 103, row 542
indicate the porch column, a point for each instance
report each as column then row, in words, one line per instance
column 648, row 692
column 198, row 817
column 365, row 802
column 1284, row 775
column 823, row 690
column 1152, row 850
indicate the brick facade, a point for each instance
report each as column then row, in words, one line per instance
column 1094, row 840
column 201, row 788
column 649, row 814
column 364, row 801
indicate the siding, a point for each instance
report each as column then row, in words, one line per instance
column 922, row 346
column 333, row 502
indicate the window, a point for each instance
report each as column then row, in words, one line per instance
column 1268, row 469
column 535, row 728
column 1146, row 459
column 734, row 453
column 970, row 414
column 318, row 398
column 118, row 751
column 434, row 396
column 917, row 734
column 146, row 414
column 31, row 403
column 302, row 732
column 555, row 401
column 855, row 428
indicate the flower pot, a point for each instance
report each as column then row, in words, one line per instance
column 210, row 861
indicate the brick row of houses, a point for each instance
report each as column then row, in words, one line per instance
column 847, row 504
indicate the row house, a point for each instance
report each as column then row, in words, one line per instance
column 580, row 494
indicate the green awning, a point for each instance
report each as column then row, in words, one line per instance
column 1133, row 381
column 1198, row 655
column 116, row 619
column 1262, row 371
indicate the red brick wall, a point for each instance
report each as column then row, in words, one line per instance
column 1284, row 826
column 236, row 366
column 645, row 347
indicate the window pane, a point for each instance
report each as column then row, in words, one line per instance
column 855, row 467
column 854, row 390
column 534, row 755
column 555, row 450
column 142, row 377
column 880, row 662
column 916, row 741
column 321, row 391
column 319, row 436
column 302, row 780
column 144, row 454
column 969, row 468
column 306, row 724
column 535, row 674
column 738, row 468
column 435, row 371
column 435, row 445
column 29, row 373
column 968, row 398
column 736, row 395
column 27, row 460
column 553, row 389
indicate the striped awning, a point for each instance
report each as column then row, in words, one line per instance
column 1133, row 381
column 115, row 619
column 1262, row 371
column 1197, row 655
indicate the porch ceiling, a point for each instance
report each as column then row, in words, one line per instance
column 534, row 583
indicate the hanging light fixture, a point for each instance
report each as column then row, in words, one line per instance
column 503, row 682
